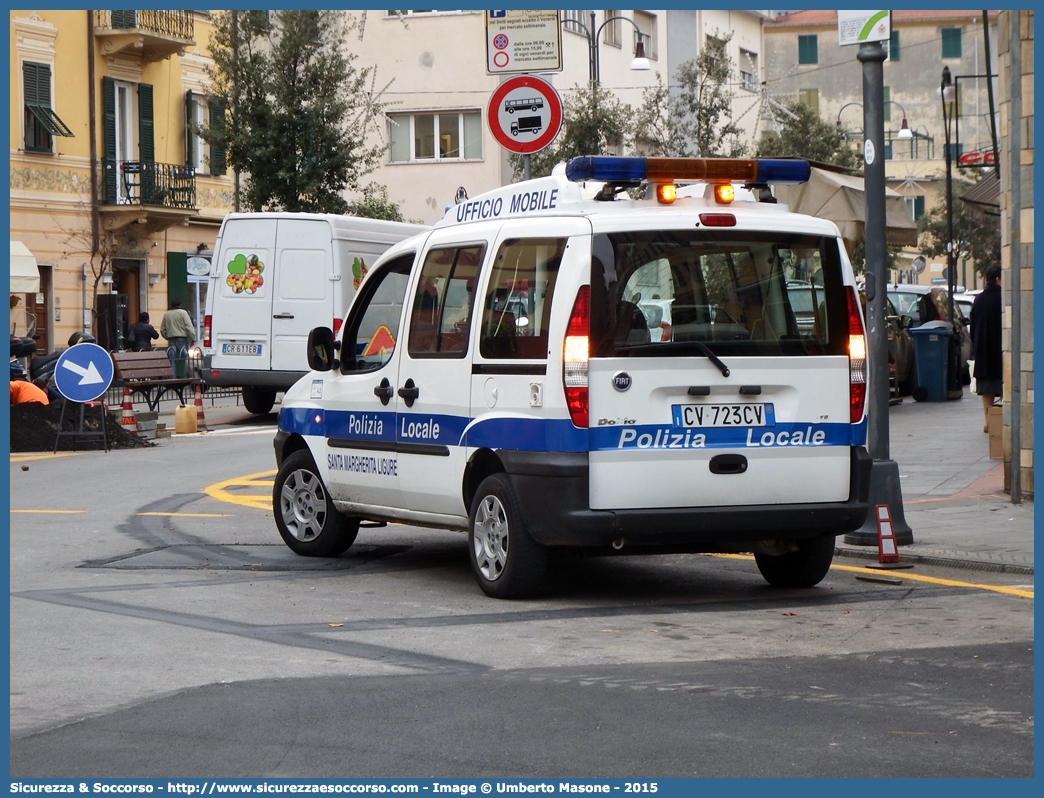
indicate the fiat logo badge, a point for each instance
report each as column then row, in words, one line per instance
column 621, row 380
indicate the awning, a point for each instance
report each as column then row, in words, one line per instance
column 25, row 277
column 840, row 198
column 983, row 198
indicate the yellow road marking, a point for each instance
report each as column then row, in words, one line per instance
column 49, row 511
column 1010, row 591
column 193, row 515
column 15, row 458
column 263, row 479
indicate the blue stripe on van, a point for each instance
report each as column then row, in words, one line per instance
column 558, row 435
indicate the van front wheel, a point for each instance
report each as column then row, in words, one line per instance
column 507, row 562
column 306, row 517
column 805, row 567
column 258, row 400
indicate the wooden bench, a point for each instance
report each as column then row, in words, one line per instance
column 151, row 375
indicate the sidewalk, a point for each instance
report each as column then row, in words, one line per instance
column 953, row 494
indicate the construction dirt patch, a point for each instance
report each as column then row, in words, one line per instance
column 34, row 428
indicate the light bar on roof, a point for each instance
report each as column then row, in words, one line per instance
column 612, row 169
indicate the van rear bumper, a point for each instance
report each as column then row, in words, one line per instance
column 280, row 380
column 553, row 496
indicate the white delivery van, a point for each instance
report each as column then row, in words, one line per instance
column 274, row 277
column 547, row 369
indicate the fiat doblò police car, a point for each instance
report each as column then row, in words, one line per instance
column 499, row 375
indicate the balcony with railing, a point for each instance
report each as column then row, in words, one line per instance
column 156, row 194
column 153, row 34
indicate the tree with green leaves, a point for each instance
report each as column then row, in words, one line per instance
column 593, row 122
column 297, row 108
column 977, row 240
column 803, row 134
column 374, row 204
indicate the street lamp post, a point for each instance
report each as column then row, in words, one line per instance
column 884, row 473
column 640, row 62
column 948, row 95
column 904, row 130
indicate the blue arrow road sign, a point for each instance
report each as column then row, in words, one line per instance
column 83, row 373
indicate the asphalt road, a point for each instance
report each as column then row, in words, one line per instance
column 159, row 631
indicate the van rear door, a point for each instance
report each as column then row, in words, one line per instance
column 667, row 427
column 302, row 298
column 241, row 317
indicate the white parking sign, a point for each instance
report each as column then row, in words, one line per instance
column 523, row 41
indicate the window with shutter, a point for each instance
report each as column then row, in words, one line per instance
column 951, row 42
column 41, row 122
column 808, row 49
column 893, row 46
column 217, row 122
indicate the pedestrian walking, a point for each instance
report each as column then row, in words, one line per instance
column 986, row 342
column 178, row 329
column 141, row 334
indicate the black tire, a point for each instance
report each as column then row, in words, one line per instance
column 919, row 393
column 306, row 518
column 805, row 567
column 507, row 562
column 258, row 400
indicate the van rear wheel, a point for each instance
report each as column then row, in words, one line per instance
column 306, row 517
column 805, row 567
column 507, row 562
column 258, row 400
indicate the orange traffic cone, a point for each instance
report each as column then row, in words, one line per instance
column 201, row 423
column 127, row 419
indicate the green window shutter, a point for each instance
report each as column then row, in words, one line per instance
column 951, row 42
column 146, row 125
column 177, row 278
column 217, row 122
column 887, row 104
column 109, row 138
column 124, row 19
column 893, row 46
column 190, row 138
column 918, row 208
column 37, row 88
column 808, row 49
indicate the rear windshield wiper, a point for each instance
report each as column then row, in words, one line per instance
column 699, row 346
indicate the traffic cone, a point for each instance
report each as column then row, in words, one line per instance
column 127, row 419
column 887, row 548
column 201, row 423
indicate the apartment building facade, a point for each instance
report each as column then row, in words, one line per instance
column 437, row 131
column 112, row 190
column 804, row 61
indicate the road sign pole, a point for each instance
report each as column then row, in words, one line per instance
column 527, row 164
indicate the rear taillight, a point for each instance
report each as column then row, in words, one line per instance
column 337, row 325
column 206, row 331
column 856, row 359
column 574, row 357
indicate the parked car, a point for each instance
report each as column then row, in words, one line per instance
column 964, row 301
column 928, row 303
column 902, row 377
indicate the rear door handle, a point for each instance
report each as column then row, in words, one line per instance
column 409, row 392
column 283, row 316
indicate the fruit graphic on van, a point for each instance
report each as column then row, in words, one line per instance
column 244, row 274
column 358, row 272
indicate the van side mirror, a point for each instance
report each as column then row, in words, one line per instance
column 321, row 349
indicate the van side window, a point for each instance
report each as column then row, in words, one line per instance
column 373, row 327
column 516, row 310
column 441, row 319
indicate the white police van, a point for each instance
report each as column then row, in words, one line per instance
column 498, row 375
